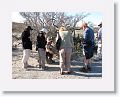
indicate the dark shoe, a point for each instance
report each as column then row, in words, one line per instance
column 62, row 73
column 69, row 72
column 89, row 68
column 44, row 68
column 39, row 66
column 25, row 67
column 84, row 70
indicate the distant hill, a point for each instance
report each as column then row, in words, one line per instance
column 18, row 27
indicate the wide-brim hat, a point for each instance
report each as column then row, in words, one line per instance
column 29, row 27
column 100, row 24
column 44, row 30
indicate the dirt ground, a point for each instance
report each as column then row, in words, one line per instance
column 52, row 71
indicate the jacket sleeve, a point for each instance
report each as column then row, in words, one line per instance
column 57, row 37
column 89, row 38
column 22, row 36
column 37, row 44
column 86, row 37
column 23, row 39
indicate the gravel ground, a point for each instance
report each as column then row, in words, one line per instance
column 52, row 71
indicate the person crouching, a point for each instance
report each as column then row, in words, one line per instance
column 49, row 51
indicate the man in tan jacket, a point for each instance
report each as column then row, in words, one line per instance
column 65, row 51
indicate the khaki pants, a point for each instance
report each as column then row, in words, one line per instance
column 42, row 57
column 26, row 55
column 65, row 57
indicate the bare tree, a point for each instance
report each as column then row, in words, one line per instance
column 51, row 21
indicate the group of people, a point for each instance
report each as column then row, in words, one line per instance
column 43, row 46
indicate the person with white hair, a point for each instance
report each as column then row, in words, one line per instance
column 40, row 47
column 88, row 46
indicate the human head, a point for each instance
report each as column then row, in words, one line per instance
column 44, row 30
column 41, row 33
column 100, row 25
column 62, row 29
column 29, row 28
column 83, row 25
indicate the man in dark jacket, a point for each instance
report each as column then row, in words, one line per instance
column 40, row 46
column 27, row 46
column 88, row 46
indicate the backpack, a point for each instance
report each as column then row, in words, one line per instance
column 58, row 42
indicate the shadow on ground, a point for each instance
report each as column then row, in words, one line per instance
column 76, row 66
column 96, row 70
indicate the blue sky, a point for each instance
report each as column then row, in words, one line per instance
column 94, row 17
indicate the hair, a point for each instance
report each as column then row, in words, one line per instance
column 62, row 29
column 101, row 26
column 27, row 28
column 85, row 24
column 40, row 34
